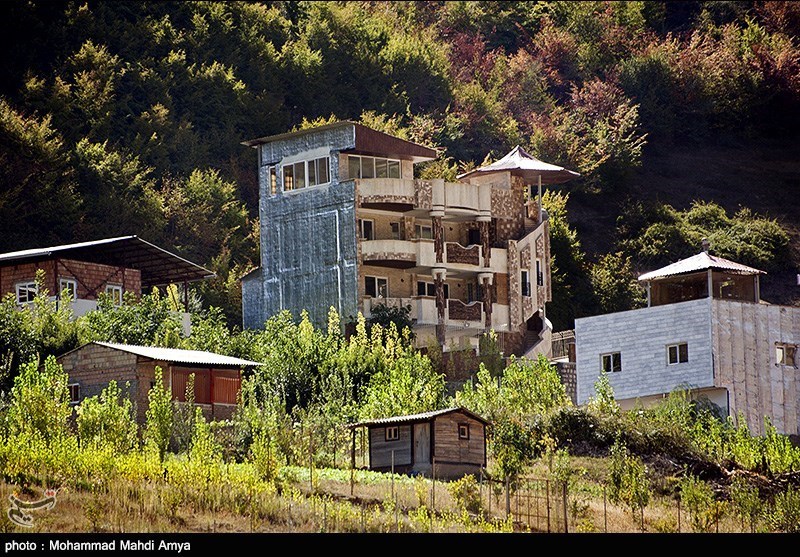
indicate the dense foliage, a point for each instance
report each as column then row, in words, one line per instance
column 127, row 118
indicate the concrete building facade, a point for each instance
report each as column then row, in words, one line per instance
column 345, row 224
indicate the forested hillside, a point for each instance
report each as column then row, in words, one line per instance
column 682, row 117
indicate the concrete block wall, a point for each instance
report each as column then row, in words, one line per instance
column 642, row 336
column 93, row 366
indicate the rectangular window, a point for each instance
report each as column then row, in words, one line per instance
column 539, row 274
column 526, row 284
column 786, row 354
column 372, row 167
column 611, row 362
column 114, row 292
column 318, row 171
column 424, row 232
column 366, row 228
column 26, row 292
column 294, row 176
column 273, row 181
column 473, row 236
column 395, row 226
column 70, row 285
column 376, row 287
column 463, row 431
column 677, row 353
column 288, row 177
column 74, row 393
column 429, row 289
column 392, row 433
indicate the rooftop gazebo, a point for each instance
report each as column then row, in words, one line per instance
column 697, row 276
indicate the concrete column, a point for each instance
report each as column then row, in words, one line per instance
column 439, row 276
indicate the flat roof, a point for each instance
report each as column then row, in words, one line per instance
column 413, row 418
column 367, row 141
column 157, row 265
column 175, row 355
column 701, row 262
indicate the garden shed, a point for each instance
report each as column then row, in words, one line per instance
column 217, row 378
column 446, row 443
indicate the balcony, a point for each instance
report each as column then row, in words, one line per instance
column 459, row 199
column 398, row 254
column 389, row 194
column 420, row 255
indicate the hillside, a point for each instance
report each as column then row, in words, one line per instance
column 127, row 118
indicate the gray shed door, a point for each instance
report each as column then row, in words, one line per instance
column 422, row 444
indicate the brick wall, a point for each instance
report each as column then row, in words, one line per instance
column 93, row 366
column 91, row 278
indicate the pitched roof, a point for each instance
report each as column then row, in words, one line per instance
column 521, row 163
column 701, row 262
column 178, row 356
column 157, row 265
column 366, row 140
column 423, row 417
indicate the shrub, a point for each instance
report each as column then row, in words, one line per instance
column 466, row 493
column 40, row 400
column 159, row 417
column 785, row 515
column 107, row 419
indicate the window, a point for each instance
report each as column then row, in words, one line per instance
column 377, row 287
column 473, row 236
column 372, row 167
column 785, row 354
column 114, row 292
column 463, row 431
column 74, row 393
column 611, row 362
column 318, row 171
column 677, row 353
column 70, row 285
column 273, row 181
column 26, row 292
column 423, row 231
column 526, row 284
column 366, row 229
column 395, row 226
column 392, row 433
column 425, row 288
column 294, row 176
column 539, row 274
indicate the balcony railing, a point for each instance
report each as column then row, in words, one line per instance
column 456, row 253
column 459, row 311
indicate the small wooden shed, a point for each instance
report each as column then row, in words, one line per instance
column 449, row 443
column 217, row 378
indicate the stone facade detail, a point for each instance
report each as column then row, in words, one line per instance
column 459, row 311
column 456, row 253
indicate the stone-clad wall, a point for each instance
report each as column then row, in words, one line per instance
column 641, row 336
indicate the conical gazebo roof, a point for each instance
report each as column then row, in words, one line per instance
column 521, row 163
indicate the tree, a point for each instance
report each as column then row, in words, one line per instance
column 603, row 403
column 107, row 419
column 628, row 480
column 615, row 285
column 40, row 400
column 159, row 417
column 398, row 316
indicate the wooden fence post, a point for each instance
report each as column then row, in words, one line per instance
column 508, row 497
column 433, row 486
column 566, row 516
column 392, row 472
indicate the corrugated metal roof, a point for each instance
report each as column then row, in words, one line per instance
column 701, row 262
column 157, row 265
column 411, row 418
column 179, row 356
column 522, row 163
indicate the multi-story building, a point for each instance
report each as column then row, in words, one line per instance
column 344, row 223
column 705, row 329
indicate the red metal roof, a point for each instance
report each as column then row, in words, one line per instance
column 701, row 262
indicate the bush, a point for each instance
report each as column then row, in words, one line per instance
column 40, row 400
column 785, row 515
column 466, row 493
column 159, row 417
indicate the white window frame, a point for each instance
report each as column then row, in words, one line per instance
column 782, row 354
column 391, row 433
column 373, row 163
column 677, row 347
column 111, row 289
column 76, row 399
column 361, row 233
column 418, row 228
column 66, row 283
column 610, row 356
column 316, row 164
column 377, row 289
column 28, row 287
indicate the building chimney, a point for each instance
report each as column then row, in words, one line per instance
column 705, row 245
